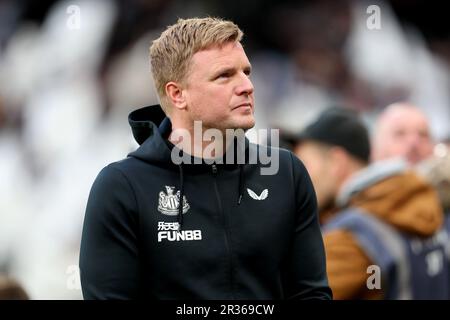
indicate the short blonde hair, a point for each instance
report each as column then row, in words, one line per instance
column 171, row 53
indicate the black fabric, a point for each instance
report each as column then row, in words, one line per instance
column 270, row 248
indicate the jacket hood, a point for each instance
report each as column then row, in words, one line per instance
column 150, row 128
column 395, row 194
column 144, row 120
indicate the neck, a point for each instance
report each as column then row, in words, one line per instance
column 200, row 142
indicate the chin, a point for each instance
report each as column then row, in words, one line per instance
column 245, row 125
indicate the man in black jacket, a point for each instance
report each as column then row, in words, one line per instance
column 178, row 219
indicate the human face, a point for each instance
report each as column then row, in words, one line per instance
column 403, row 133
column 218, row 90
column 318, row 162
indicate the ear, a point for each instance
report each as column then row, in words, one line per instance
column 176, row 95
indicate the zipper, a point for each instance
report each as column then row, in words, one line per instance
column 226, row 230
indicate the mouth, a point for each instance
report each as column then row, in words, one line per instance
column 246, row 105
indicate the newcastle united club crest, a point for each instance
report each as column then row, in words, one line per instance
column 168, row 202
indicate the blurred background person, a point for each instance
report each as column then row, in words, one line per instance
column 436, row 170
column 402, row 130
column 380, row 214
column 332, row 148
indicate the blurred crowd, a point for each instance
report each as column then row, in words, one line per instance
column 71, row 71
column 383, row 202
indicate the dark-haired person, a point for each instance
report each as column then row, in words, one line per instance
column 381, row 222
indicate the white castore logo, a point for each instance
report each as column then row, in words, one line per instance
column 168, row 202
column 262, row 196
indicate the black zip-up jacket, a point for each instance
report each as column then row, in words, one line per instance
column 243, row 235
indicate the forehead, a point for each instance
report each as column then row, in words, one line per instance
column 228, row 54
column 406, row 118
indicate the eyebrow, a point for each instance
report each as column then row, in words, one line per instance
column 230, row 69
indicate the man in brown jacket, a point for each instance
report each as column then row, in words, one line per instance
column 372, row 215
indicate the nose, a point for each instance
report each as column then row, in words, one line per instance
column 245, row 86
column 414, row 140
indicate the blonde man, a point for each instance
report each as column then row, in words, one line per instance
column 209, row 226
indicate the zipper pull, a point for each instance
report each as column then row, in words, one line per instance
column 214, row 168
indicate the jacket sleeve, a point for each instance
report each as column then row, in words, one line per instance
column 109, row 266
column 307, row 277
column 347, row 266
